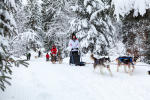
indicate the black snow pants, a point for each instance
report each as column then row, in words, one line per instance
column 74, row 57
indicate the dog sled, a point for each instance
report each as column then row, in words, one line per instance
column 56, row 58
column 75, row 59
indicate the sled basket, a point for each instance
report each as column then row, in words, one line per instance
column 81, row 64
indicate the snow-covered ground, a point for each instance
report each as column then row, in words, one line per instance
column 46, row 81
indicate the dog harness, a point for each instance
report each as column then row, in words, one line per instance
column 126, row 60
column 105, row 62
column 97, row 61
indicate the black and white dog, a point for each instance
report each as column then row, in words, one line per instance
column 126, row 61
column 103, row 62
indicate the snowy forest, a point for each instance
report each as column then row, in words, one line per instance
column 103, row 27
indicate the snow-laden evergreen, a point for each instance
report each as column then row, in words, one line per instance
column 123, row 7
column 7, row 32
column 25, row 41
column 94, row 26
column 33, row 15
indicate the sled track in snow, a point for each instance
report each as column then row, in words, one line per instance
column 46, row 81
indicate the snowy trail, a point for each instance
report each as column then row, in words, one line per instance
column 46, row 81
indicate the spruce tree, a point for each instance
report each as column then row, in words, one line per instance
column 94, row 24
column 7, row 32
column 54, row 22
column 33, row 11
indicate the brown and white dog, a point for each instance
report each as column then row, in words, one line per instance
column 127, row 62
column 60, row 60
column 53, row 58
column 36, row 57
column 101, row 63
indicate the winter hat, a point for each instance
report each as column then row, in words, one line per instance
column 73, row 34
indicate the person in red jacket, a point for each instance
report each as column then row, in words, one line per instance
column 54, row 50
column 47, row 57
column 53, row 54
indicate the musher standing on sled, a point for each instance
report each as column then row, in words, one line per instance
column 73, row 47
column 53, row 53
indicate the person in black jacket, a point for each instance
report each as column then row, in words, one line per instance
column 39, row 54
column 28, row 56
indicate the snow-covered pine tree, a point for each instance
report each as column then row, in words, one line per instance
column 21, row 17
column 33, row 21
column 27, row 40
column 48, row 13
column 7, row 32
column 94, row 25
column 33, row 13
column 55, row 23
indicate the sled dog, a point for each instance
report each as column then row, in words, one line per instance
column 53, row 58
column 127, row 62
column 101, row 63
column 36, row 57
column 60, row 60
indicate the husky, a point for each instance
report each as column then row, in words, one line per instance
column 60, row 60
column 53, row 58
column 127, row 62
column 102, row 63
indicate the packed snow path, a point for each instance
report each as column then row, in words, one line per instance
column 46, row 81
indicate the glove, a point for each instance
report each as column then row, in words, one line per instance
column 74, row 49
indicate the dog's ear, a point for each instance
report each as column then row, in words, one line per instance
column 92, row 56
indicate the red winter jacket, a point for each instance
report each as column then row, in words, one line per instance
column 47, row 56
column 54, row 50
